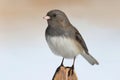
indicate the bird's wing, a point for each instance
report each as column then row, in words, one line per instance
column 81, row 41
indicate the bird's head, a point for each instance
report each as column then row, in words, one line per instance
column 56, row 17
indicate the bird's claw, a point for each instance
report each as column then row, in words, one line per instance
column 71, row 71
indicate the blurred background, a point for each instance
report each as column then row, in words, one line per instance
column 24, row 53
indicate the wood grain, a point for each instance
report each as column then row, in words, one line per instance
column 65, row 73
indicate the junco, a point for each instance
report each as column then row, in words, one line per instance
column 64, row 39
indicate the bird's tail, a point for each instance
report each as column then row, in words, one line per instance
column 90, row 59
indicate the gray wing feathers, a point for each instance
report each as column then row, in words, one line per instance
column 86, row 54
column 81, row 41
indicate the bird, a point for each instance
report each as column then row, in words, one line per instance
column 64, row 39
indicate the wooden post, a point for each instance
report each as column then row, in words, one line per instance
column 64, row 73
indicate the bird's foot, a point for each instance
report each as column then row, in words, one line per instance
column 71, row 71
column 59, row 68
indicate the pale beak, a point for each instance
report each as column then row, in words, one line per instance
column 46, row 17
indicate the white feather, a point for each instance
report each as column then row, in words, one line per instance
column 63, row 46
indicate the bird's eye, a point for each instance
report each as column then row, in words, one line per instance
column 54, row 15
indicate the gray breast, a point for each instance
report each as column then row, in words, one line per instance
column 60, row 31
column 54, row 31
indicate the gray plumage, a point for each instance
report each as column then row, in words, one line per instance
column 61, row 30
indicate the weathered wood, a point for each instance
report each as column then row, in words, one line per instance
column 64, row 73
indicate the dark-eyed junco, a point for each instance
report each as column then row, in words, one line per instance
column 64, row 39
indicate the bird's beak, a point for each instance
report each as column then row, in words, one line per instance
column 46, row 17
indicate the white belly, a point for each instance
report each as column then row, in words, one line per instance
column 64, row 47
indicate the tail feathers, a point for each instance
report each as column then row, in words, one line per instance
column 90, row 59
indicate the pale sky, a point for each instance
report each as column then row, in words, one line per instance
column 25, row 55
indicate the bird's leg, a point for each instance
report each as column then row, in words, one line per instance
column 70, row 72
column 73, row 63
column 60, row 65
column 58, row 68
column 62, row 62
